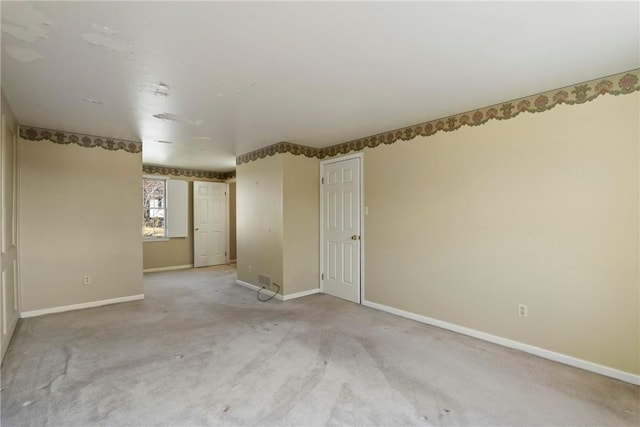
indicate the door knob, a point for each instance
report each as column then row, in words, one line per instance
column 197, row 229
column 354, row 237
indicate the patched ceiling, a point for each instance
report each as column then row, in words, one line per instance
column 201, row 82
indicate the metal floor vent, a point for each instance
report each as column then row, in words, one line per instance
column 264, row 280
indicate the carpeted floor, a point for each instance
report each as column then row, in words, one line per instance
column 201, row 350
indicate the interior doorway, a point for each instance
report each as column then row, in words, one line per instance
column 341, row 227
column 209, row 223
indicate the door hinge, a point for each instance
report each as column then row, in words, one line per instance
column 225, row 254
column 322, row 276
column 323, row 179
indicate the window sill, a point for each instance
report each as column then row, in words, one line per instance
column 163, row 239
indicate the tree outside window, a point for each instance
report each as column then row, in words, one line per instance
column 154, row 208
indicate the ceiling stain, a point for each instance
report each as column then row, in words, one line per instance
column 22, row 33
column 93, row 101
column 177, row 119
column 158, row 89
column 23, row 54
column 104, row 30
column 22, row 21
column 100, row 40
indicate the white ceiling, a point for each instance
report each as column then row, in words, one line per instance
column 217, row 79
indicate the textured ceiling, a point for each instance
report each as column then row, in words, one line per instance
column 201, row 82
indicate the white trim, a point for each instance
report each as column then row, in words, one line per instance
column 151, row 176
column 362, row 233
column 278, row 296
column 359, row 156
column 18, row 207
column 301, row 294
column 257, row 288
column 247, row 285
column 91, row 304
column 505, row 342
column 4, row 247
column 173, row 267
column 227, row 250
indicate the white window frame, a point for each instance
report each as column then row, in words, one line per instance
column 164, row 238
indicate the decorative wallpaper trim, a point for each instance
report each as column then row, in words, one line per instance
column 280, row 147
column 618, row 84
column 88, row 141
column 161, row 170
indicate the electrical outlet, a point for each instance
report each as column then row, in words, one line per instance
column 523, row 310
column 86, row 280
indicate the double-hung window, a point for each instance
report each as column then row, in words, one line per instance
column 154, row 208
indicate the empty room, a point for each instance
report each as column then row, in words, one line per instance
column 320, row 213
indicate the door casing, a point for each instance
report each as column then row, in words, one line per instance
column 9, row 256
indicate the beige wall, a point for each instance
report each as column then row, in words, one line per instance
column 79, row 215
column 463, row 226
column 232, row 220
column 301, row 218
column 259, row 220
column 175, row 251
column 540, row 210
column 277, row 221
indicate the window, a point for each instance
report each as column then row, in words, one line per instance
column 154, row 208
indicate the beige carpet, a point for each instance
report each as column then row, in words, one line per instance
column 201, row 350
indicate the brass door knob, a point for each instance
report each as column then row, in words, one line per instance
column 354, row 237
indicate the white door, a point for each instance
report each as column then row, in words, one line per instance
column 341, row 236
column 210, row 223
column 8, row 237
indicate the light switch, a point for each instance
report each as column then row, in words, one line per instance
column 366, row 210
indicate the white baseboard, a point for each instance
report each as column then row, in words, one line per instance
column 256, row 288
column 301, row 294
column 541, row 352
column 91, row 304
column 247, row 285
column 173, row 267
column 278, row 296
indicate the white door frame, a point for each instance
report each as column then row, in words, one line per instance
column 226, row 226
column 226, row 199
column 361, row 294
column 230, row 181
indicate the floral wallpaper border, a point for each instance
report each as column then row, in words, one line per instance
column 618, row 84
column 161, row 170
column 88, row 141
column 280, row 147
